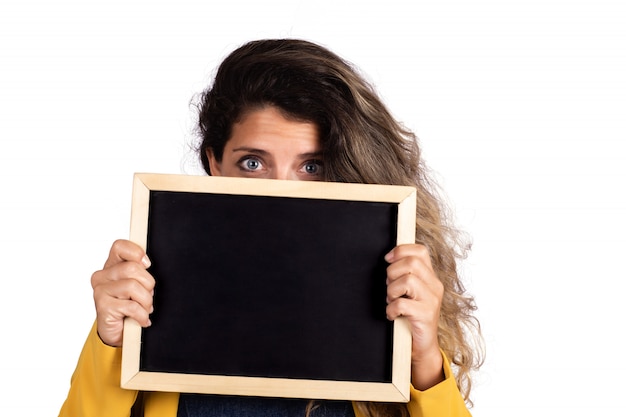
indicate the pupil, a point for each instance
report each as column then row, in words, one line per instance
column 311, row 168
column 252, row 164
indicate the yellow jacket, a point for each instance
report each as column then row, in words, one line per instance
column 95, row 390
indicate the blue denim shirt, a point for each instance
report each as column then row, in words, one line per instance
column 196, row 405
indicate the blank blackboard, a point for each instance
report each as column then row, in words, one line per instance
column 271, row 288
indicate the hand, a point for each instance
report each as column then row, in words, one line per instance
column 415, row 292
column 122, row 289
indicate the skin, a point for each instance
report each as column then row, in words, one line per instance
column 264, row 144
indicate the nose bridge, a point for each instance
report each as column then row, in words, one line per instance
column 283, row 170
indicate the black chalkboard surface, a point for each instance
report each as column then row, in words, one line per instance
column 271, row 288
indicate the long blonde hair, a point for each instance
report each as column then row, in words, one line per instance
column 362, row 143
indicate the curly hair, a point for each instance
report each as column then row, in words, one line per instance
column 361, row 143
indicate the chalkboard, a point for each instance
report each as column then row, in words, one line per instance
column 269, row 288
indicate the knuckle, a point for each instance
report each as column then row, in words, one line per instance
column 136, row 311
column 117, row 246
column 438, row 288
column 129, row 269
column 125, row 268
column 391, row 311
column 126, row 249
column 134, row 287
column 422, row 249
column 95, row 279
column 412, row 280
column 102, row 306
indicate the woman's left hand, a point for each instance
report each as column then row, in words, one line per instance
column 415, row 292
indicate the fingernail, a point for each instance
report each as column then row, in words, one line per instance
column 146, row 261
column 389, row 256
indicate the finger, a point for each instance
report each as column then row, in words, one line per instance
column 406, row 267
column 129, row 289
column 111, row 322
column 117, row 310
column 125, row 250
column 122, row 271
column 403, row 307
column 407, row 286
column 409, row 250
column 415, row 289
column 415, row 311
column 409, row 259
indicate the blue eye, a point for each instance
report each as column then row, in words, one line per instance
column 251, row 164
column 313, row 167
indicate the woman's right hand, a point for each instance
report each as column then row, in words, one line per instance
column 123, row 288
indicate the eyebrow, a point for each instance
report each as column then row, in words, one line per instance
column 265, row 153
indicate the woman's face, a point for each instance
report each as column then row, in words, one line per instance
column 266, row 145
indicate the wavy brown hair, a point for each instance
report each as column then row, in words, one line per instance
column 361, row 143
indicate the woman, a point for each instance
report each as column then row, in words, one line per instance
column 290, row 109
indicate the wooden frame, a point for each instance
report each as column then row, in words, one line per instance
column 392, row 389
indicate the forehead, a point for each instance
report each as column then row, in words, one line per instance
column 268, row 126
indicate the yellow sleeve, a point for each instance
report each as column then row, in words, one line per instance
column 161, row 404
column 95, row 385
column 444, row 399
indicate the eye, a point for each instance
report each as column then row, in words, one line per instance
column 313, row 167
column 250, row 164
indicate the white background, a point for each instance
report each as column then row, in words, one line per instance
column 520, row 107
